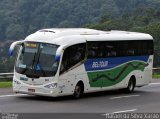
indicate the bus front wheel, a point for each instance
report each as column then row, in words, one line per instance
column 78, row 91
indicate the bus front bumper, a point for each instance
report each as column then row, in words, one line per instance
column 35, row 90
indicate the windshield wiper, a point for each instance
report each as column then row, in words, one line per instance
column 33, row 61
column 32, row 64
column 40, row 67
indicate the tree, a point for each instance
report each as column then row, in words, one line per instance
column 15, row 31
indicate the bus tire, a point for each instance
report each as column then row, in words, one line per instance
column 131, row 85
column 78, row 91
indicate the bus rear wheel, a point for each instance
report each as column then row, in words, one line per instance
column 131, row 85
column 78, row 91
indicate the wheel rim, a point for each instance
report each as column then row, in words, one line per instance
column 77, row 91
column 131, row 86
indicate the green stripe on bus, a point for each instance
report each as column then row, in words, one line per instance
column 115, row 75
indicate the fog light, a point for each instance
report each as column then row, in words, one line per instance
column 16, row 82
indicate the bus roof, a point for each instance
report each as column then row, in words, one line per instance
column 62, row 36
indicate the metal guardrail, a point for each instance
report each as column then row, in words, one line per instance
column 156, row 71
column 6, row 76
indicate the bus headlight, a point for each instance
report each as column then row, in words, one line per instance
column 51, row 86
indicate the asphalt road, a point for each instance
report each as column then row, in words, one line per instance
column 145, row 99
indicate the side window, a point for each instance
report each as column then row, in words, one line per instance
column 101, row 49
column 92, row 50
column 150, row 47
column 138, row 48
column 135, row 48
column 110, row 49
column 73, row 55
column 129, row 48
column 147, row 47
column 122, row 48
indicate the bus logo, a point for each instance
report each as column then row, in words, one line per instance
column 100, row 64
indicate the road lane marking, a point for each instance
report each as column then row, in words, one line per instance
column 13, row 95
column 127, row 96
column 154, row 84
column 124, row 111
column 118, row 112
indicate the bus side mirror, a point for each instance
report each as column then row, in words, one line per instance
column 59, row 53
column 13, row 45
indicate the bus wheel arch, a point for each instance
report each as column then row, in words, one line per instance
column 131, row 84
column 78, row 90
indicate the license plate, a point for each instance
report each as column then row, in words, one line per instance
column 31, row 90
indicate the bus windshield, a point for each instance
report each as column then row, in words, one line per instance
column 37, row 59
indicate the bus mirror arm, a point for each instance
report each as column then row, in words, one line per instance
column 59, row 52
column 13, row 45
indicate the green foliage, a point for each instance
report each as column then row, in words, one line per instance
column 6, row 62
column 112, row 25
column 156, row 76
column 15, row 31
column 5, row 84
column 19, row 18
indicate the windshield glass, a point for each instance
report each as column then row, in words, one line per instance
column 37, row 59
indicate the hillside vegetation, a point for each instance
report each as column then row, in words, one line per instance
column 19, row 18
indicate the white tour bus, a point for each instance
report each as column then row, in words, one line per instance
column 73, row 61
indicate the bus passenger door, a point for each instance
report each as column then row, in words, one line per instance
column 65, row 82
column 73, row 57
